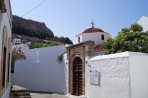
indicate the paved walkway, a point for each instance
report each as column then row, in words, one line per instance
column 41, row 95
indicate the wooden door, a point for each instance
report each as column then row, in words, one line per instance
column 77, row 77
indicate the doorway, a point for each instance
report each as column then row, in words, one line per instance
column 78, row 77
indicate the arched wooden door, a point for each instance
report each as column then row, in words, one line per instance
column 77, row 77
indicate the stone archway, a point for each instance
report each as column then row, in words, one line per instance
column 76, row 61
column 78, row 77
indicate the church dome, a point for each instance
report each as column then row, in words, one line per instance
column 92, row 30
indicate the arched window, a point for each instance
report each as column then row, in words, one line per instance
column 102, row 37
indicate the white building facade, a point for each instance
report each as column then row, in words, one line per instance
column 144, row 23
column 16, row 41
column 121, row 75
column 5, row 47
column 93, row 34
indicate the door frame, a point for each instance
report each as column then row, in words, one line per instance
column 76, row 64
column 71, row 80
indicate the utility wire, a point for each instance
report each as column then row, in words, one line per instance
column 34, row 8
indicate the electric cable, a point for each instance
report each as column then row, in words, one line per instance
column 34, row 8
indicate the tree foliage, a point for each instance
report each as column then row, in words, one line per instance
column 129, row 39
column 136, row 27
column 60, row 58
column 62, row 39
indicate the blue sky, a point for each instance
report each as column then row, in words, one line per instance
column 71, row 17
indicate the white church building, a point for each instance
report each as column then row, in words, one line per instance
column 93, row 34
column 5, row 47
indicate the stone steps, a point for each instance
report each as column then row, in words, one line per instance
column 72, row 96
column 19, row 92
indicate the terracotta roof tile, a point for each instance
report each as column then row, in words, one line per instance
column 99, row 48
column 92, row 30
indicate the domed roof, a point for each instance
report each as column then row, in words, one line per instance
column 92, row 30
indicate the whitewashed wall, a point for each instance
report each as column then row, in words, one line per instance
column 121, row 75
column 41, row 71
column 113, row 71
column 144, row 23
column 138, row 75
column 7, row 93
column 96, row 37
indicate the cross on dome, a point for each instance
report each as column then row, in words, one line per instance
column 92, row 24
column 92, row 29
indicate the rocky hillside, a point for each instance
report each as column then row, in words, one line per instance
column 37, row 31
column 31, row 28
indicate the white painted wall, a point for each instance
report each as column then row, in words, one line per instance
column 122, row 75
column 114, row 76
column 96, row 37
column 41, row 71
column 7, row 92
column 138, row 75
column 144, row 23
column 24, row 47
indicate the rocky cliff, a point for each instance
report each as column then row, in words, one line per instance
column 31, row 28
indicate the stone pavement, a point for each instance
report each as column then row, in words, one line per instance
column 41, row 95
column 21, row 92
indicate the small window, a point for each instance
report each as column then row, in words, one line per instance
column 102, row 37
column 4, row 67
column 79, row 39
column 8, row 70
